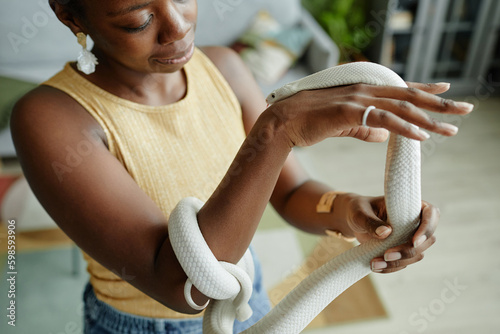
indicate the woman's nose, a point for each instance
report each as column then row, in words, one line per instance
column 175, row 25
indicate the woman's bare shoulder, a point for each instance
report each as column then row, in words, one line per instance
column 44, row 102
column 46, row 109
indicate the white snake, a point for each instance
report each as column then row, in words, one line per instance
column 230, row 286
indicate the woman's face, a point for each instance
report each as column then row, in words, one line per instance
column 143, row 35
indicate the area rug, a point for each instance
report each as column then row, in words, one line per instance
column 360, row 302
column 288, row 256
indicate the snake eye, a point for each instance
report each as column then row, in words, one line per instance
column 273, row 95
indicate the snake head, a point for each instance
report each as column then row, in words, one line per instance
column 279, row 94
column 272, row 98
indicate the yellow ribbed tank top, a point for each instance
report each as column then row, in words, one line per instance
column 173, row 151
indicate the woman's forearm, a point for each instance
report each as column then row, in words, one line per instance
column 230, row 217
column 300, row 210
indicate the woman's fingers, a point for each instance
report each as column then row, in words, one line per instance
column 428, row 223
column 381, row 118
column 401, row 256
column 314, row 115
column 368, row 134
column 397, row 258
column 366, row 219
column 418, row 97
column 409, row 112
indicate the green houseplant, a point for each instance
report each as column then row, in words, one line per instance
column 345, row 23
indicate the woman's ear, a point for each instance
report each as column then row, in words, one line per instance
column 74, row 23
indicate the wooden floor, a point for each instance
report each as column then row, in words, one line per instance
column 456, row 288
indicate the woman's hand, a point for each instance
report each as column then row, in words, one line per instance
column 367, row 218
column 311, row 116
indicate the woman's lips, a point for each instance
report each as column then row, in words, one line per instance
column 170, row 61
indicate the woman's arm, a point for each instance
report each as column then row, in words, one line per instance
column 295, row 195
column 91, row 196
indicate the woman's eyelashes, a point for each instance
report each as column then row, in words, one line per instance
column 140, row 28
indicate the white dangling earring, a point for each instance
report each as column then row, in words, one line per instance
column 86, row 60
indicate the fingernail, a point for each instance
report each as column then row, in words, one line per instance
column 393, row 256
column 450, row 127
column 446, row 84
column 420, row 240
column 466, row 106
column 424, row 134
column 383, row 231
column 378, row 265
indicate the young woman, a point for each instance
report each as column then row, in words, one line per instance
column 110, row 154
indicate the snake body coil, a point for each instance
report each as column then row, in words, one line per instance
column 226, row 283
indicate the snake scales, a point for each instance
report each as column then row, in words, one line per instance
column 230, row 285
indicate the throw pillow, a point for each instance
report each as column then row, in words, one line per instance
column 270, row 49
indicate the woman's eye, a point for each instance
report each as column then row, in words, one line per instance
column 141, row 28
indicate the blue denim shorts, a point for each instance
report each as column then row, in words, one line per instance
column 100, row 318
